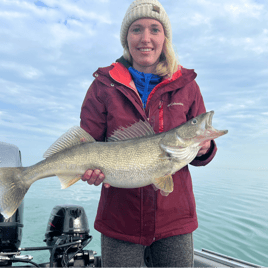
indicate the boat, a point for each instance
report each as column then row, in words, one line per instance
column 67, row 235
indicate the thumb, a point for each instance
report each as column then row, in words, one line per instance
column 107, row 185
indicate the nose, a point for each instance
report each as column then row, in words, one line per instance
column 145, row 38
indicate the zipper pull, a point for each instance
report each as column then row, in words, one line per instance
column 160, row 104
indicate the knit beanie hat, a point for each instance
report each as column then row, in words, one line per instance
column 145, row 9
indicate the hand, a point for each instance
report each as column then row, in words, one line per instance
column 204, row 149
column 95, row 177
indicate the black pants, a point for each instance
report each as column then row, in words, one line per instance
column 175, row 251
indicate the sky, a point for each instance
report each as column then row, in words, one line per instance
column 49, row 50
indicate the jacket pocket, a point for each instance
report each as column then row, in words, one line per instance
column 177, row 112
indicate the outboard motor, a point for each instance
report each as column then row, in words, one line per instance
column 11, row 231
column 67, row 221
column 67, row 234
column 11, row 228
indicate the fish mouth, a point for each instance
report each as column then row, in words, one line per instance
column 209, row 119
column 210, row 128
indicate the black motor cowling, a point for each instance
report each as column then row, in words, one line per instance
column 68, row 220
column 11, row 231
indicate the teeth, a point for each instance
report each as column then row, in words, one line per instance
column 145, row 49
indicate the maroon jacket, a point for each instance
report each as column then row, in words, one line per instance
column 143, row 215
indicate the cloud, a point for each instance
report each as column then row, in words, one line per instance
column 228, row 26
column 25, row 71
column 49, row 50
column 244, row 8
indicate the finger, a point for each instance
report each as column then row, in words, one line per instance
column 91, row 177
column 207, row 144
column 87, row 175
column 96, row 174
column 204, row 149
column 99, row 179
column 200, row 153
column 107, row 185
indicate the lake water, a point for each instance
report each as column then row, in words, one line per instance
column 232, row 207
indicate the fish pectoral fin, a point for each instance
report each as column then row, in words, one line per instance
column 185, row 154
column 164, row 193
column 165, row 184
column 74, row 136
column 155, row 188
column 161, row 191
column 68, row 180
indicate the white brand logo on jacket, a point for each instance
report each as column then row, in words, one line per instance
column 175, row 103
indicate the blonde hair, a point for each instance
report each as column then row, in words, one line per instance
column 168, row 61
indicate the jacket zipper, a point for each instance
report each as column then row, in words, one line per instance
column 141, row 204
column 161, row 116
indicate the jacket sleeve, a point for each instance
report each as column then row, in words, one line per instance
column 93, row 113
column 197, row 108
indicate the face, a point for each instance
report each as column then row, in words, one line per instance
column 145, row 41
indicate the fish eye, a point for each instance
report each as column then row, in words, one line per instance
column 194, row 121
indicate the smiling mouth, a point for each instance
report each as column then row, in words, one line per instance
column 145, row 49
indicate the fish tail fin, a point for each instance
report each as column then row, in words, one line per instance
column 165, row 184
column 12, row 190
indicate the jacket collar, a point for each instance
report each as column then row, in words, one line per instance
column 121, row 74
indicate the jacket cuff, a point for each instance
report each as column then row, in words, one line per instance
column 206, row 158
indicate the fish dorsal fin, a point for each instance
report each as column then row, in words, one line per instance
column 137, row 130
column 74, row 136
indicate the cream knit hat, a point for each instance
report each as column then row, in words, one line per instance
column 145, row 9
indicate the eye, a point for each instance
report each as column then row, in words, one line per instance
column 136, row 30
column 155, row 30
column 194, row 121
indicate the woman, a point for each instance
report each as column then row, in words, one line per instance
column 145, row 83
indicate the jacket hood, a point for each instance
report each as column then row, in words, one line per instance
column 123, row 61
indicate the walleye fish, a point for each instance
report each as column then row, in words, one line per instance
column 134, row 157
